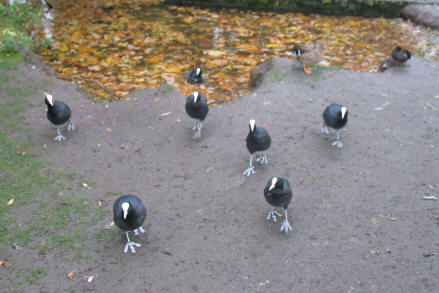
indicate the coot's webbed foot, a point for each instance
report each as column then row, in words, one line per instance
column 250, row 169
column 60, row 136
column 197, row 129
column 140, row 229
column 325, row 129
column 286, row 225
column 272, row 215
column 130, row 244
column 338, row 142
column 262, row 159
column 70, row 125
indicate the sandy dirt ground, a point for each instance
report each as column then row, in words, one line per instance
column 358, row 217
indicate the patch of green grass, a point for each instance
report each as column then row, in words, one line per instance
column 99, row 215
column 16, row 91
column 47, row 82
column 21, row 175
column 69, row 289
column 104, row 235
column 113, row 193
column 73, row 242
column 4, row 77
column 10, row 60
column 35, row 275
column 40, row 216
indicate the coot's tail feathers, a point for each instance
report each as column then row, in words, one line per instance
column 385, row 65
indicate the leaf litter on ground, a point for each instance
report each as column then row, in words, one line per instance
column 143, row 43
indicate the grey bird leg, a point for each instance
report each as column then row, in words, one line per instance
column 286, row 225
column 70, row 125
column 251, row 169
column 338, row 142
column 325, row 129
column 197, row 129
column 131, row 245
column 136, row 231
column 272, row 215
column 262, row 159
column 60, row 136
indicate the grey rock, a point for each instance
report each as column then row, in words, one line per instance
column 427, row 15
column 258, row 73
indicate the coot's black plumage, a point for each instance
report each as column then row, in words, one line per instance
column 129, row 214
column 399, row 57
column 197, row 108
column 195, row 76
column 278, row 194
column 335, row 116
column 258, row 140
column 58, row 113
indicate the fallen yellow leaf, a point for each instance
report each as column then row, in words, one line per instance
column 215, row 53
column 11, row 201
column 94, row 68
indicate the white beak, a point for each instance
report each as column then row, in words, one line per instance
column 252, row 125
column 49, row 98
column 198, row 71
column 273, row 183
column 195, row 96
column 343, row 112
column 125, row 207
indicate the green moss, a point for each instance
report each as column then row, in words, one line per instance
column 168, row 89
column 275, row 74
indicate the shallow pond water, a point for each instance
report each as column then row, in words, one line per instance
column 120, row 46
